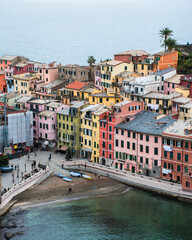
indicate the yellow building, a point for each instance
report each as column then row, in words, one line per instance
column 110, row 69
column 90, row 131
column 144, row 68
column 106, row 97
column 185, row 111
column 26, row 83
column 159, row 102
column 183, row 90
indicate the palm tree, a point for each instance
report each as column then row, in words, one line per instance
column 91, row 60
column 170, row 43
column 164, row 34
column 107, row 60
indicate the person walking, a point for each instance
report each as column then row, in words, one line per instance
column 28, row 157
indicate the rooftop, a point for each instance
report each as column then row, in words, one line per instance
column 46, row 113
column 165, row 71
column 111, row 63
column 122, row 103
column 78, row 104
column 53, row 84
column 134, row 53
column 26, row 76
column 157, row 95
column 146, row 80
column 104, row 94
column 8, row 58
column 162, row 53
column 76, row 85
column 187, row 105
column 181, row 100
column 54, row 104
column 24, row 99
column 39, row 101
column 174, row 79
column 124, row 74
column 177, row 129
column 148, row 123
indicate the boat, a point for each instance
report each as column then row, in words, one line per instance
column 67, row 179
column 86, row 177
column 75, row 174
column 6, row 169
column 59, row 175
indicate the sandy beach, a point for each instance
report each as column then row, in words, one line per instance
column 55, row 189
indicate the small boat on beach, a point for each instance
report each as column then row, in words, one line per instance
column 59, row 175
column 6, row 169
column 75, row 174
column 86, row 177
column 67, row 179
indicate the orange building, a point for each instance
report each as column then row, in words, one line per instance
column 3, row 85
column 165, row 59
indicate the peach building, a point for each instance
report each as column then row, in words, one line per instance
column 48, row 72
column 165, row 59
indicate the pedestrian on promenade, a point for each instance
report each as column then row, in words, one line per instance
column 50, row 156
column 62, row 166
column 28, row 157
column 34, row 163
column 15, row 167
column 35, row 154
column 85, row 165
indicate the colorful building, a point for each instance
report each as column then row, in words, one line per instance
column 165, row 59
column 177, row 153
column 106, row 97
column 159, row 102
column 48, row 72
column 69, row 127
column 132, row 56
column 3, row 84
column 110, row 69
column 138, row 143
column 118, row 113
column 90, row 116
column 171, row 84
column 177, row 102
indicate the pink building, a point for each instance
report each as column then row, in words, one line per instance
column 47, row 123
column 97, row 76
column 48, row 72
column 120, row 111
column 171, row 83
column 177, row 102
column 138, row 143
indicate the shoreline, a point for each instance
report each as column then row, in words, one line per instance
column 54, row 190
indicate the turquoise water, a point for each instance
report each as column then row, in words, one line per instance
column 71, row 30
column 133, row 215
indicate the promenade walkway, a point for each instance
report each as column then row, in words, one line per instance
column 148, row 183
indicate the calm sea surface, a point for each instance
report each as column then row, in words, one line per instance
column 69, row 31
column 134, row 215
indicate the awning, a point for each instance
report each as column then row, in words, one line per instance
column 87, row 150
column 64, row 148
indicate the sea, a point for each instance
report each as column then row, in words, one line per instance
column 134, row 215
column 69, row 31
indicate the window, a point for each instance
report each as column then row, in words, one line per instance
column 186, row 169
column 100, row 100
column 186, row 145
column 156, row 151
column 141, row 159
column 178, row 156
column 110, row 128
column 116, row 131
column 171, row 155
column 178, row 168
column 165, row 154
column 110, row 137
column 125, row 68
column 134, row 135
column 165, row 165
column 147, row 149
column 141, row 148
column 116, row 142
column 89, row 143
column 100, row 124
column 147, row 138
column 122, row 143
column 128, row 134
column 103, row 135
column 110, row 146
column 45, row 135
column 156, row 139
column 155, row 162
column 46, row 71
column 122, row 132
column 141, row 136
column 110, row 156
column 147, row 161
column 186, row 157
column 128, row 145
column 116, row 154
column 133, row 146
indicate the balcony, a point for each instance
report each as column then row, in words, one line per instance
column 64, row 140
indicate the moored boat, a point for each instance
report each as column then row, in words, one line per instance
column 6, row 169
column 67, row 179
column 86, row 177
column 75, row 174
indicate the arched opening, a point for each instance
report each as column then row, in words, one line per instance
column 187, row 184
column 103, row 161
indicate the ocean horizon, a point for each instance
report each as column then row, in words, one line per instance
column 70, row 31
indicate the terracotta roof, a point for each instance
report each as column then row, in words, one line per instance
column 76, row 85
column 134, row 53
